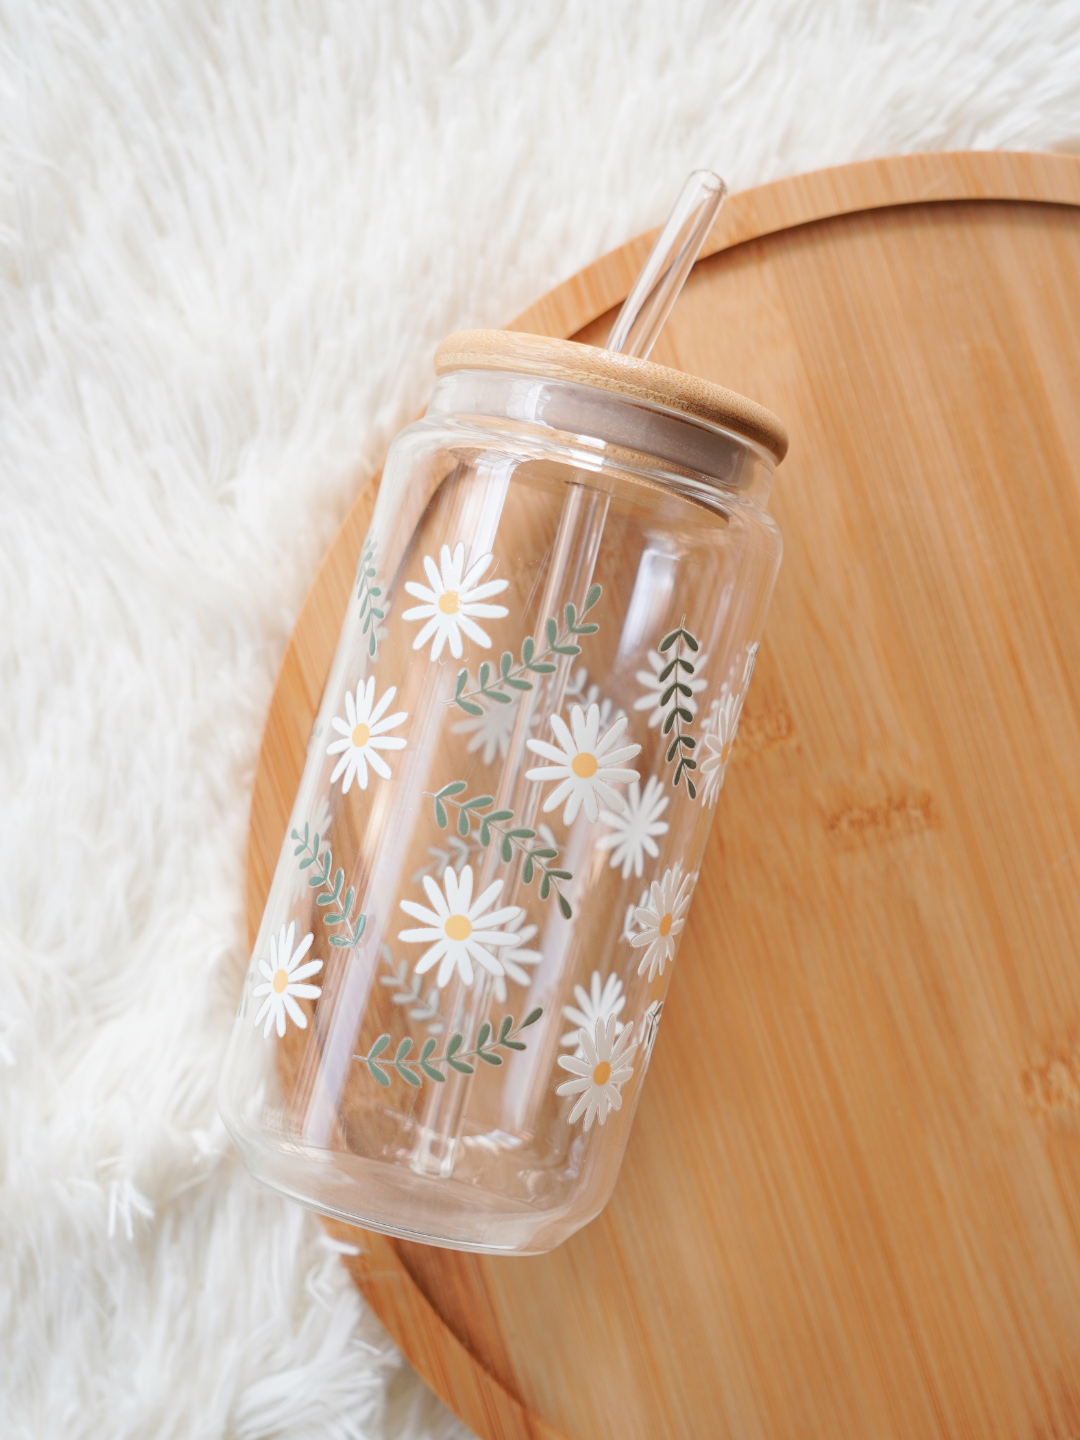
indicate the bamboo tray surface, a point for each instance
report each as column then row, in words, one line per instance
column 850, row 1206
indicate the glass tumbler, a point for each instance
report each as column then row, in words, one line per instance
column 460, row 973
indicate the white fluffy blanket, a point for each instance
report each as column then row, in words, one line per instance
column 232, row 234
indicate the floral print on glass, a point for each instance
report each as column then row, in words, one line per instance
column 514, row 960
column 603, row 999
column 490, row 731
column 458, row 929
column 586, row 764
column 718, row 731
column 630, row 925
column 580, row 692
column 320, row 823
column 662, row 920
column 654, row 688
column 633, row 832
column 282, row 983
column 601, row 1072
column 363, row 735
column 717, row 741
column 454, row 602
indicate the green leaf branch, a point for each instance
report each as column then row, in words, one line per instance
column 321, row 863
column 494, row 684
column 367, row 594
column 408, row 992
column 672, row 700
column 427, row 1063
column 476, row 812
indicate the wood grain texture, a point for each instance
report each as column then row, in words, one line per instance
column 625, row 375
column 850, row 1206
column 801, row 199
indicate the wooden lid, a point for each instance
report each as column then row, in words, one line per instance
column 621, row 374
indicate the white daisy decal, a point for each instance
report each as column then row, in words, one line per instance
column 718, row 739
column 632, row 834
column 662, row 920
column 577, row 687
column 586, row 764
column 363, row 735
column 514, row 960
column 454, row 601
column 458, row 929
column 490, row 731
column 604, row 1067
column 282, row 978
column 580, row 692
column 655, row 687
column 603, row 999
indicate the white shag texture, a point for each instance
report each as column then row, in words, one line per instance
column 232, row 235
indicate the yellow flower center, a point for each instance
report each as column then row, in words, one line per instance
column 280, row 980
column 665, row 924
column 725, row 752
column 360, row 736
column 449, row 603
column 584, row 765
column 458, row 927
column 602, row 1074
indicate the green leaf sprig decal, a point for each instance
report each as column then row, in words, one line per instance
column 380, row 1064
column 331, row 896
column 408, row 992
column 367, row 594
column 493, row 685
column 676, row 671
column 477, row 812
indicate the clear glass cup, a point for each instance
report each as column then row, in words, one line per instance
column 460, row 973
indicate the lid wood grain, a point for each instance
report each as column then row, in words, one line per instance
column 639, row 380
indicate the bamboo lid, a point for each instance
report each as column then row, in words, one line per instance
column 621, row 374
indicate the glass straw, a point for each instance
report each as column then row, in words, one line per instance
column 664, row 274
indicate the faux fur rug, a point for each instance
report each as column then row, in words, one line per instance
column 232, row 235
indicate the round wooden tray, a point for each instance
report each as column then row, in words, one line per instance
column 851, row 1202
